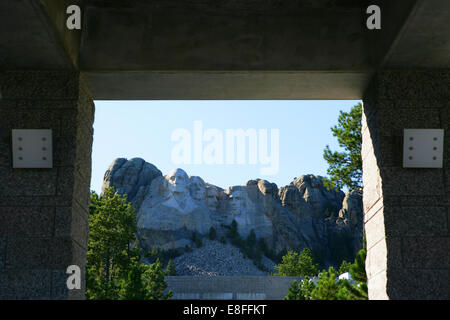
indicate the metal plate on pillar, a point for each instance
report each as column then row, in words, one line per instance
column 423, row 148
column 32, row 148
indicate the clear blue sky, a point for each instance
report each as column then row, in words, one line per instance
column 129, row 129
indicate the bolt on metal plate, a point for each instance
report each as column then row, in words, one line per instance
column 32, row 148
column 423, row 148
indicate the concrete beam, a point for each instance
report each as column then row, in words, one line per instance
column 55, row 11
column 27, row 38
column 255, row 49
column 155, row 35
column 224, row 85
column 424, row 40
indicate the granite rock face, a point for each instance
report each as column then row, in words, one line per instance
column 130, row 176
column 303, row 214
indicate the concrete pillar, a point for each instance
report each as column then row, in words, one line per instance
column 406, row 211
column 44, row 212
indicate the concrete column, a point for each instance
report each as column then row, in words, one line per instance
column 44, row 212
column 406, row 211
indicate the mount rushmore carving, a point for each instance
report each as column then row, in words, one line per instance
column 303, row 214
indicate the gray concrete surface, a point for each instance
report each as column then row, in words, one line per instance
column 230, row 287
column 44, row 212
column 406, row 210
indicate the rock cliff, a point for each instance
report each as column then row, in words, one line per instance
column 303, row 214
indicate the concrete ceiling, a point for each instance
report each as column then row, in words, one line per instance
column 27, row 38
column 208, row 49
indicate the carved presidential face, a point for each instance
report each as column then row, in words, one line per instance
column 178, row 181
column 197, row 188
column 212, row 195
column 237, row 201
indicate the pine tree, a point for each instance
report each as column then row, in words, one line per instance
column 155, row 283
column 133, row 288
column 251, row 239
column 307, row 263
column 114, row 267
column 170, row 269
column 345, row 168
column 345, row 267
column 306, row 288
column 233, row 230
column 293, row 264
column 358, row 268
column 112, row 228
column 288, row 265
column 212, row 235
column 293, row 292
column 234, row 236
column 358, row 289
column 349, row 291
column 154, row 254
column 358, row 273
column 301, row 291
column 327, row 286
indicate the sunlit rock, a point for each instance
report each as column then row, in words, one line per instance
column 302, row 214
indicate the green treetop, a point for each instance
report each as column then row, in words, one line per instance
column 170, row 269
column 294, row 264
column 327, row 286
column 345, row 168
column 301, row 291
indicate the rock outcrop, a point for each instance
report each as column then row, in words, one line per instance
column 303, row 214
